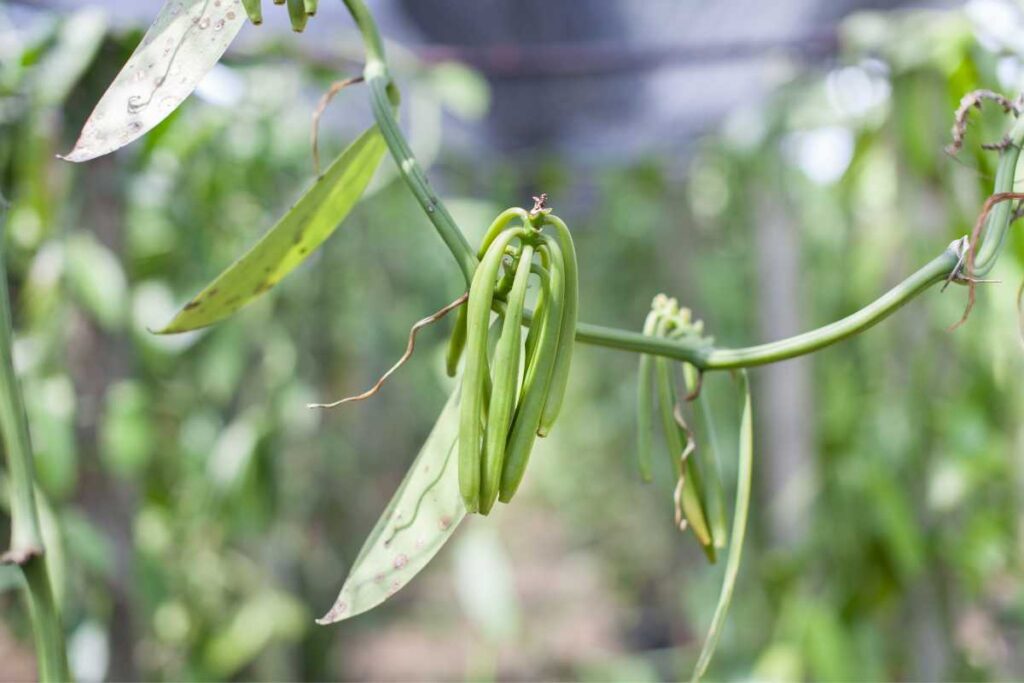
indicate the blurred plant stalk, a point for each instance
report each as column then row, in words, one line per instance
column 27, row 550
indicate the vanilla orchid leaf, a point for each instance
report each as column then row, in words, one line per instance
column 419, row 520
column 289, row 242
column 185, row 41
column 744, row 470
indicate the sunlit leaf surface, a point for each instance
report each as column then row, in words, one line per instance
column 185, row 41
column 420, row 518
column 299, row 232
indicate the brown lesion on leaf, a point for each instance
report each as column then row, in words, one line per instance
column 263, row 287
column 192, row 305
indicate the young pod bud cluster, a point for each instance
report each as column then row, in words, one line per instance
column 698, row 492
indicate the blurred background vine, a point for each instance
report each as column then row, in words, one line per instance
column 206, row 515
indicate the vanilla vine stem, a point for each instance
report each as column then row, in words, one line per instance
column 26, row 549
column 948, row 264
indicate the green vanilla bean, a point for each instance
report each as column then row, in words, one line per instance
column 26, row 543
column 499, row 224
column 567, row 333
column 457, row 342
column 505, row 384
column 645, row 405
column 311, row 7
column 254, row 8
column 297, row 15
column 533, row 334
column 540, row 365
column 481, row 295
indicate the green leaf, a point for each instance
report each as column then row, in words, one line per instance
column 485, row 583
column 97, row 280
column 266, row 617
column 186, row 40
column 126, row 433
column 461, row 89
column 299, row 232
column 420, row 518
column 78, row 40
column 739, row 528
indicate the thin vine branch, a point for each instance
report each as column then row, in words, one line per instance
column 384, row 96
column 27, row 550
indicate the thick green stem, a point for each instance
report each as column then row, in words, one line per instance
column 26, row 548
column 699, row 355
column 47, row 629
column 998, row 223
column 383, row 99
column 935, row 271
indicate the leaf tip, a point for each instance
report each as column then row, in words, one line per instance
column 169, row 328
column 338, row 612
column 77, row 155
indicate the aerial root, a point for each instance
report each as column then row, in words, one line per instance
column 692, row 396
column 409, row 348
column 321, row 107
column 677, row 494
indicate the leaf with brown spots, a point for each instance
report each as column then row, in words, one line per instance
column 185, row 41
column 420, row 518
column 299, row 232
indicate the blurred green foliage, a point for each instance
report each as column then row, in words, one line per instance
column 207, row 516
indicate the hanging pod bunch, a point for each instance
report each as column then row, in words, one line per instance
column 513, row 388
column 298, row 11
column 698, row 495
